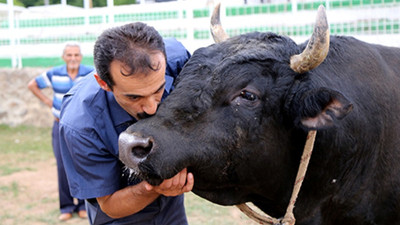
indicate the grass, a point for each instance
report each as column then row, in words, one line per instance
column 12, row 189
column 201, row 212
column 23, row 148
column 19, row 146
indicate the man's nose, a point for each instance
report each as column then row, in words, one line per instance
column 150, row 106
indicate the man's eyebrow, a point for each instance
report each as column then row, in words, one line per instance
column 138, row 96
column 161, row 87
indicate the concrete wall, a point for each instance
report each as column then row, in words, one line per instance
column 18, row 106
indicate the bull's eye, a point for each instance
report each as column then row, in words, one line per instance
column 248, row 95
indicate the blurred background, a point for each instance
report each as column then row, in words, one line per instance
column 32, row 32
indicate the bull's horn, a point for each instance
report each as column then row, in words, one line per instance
column 317, row 47
column 217, row 31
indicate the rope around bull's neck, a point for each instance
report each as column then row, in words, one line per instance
column 288, row 219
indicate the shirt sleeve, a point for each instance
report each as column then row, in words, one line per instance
column 177, row 56
column 44, row 79
column 92, row 171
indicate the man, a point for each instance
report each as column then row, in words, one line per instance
column 135, row 69
column 61, row 79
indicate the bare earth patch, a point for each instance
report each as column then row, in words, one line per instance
column 31, row 196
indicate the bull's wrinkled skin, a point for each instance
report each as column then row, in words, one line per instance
column 238, row 120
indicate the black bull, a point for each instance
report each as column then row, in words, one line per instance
column 239, row 117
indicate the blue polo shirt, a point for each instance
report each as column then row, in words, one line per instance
column 91, row 121
column 58, row 79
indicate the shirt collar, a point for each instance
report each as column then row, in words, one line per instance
column 118, row 114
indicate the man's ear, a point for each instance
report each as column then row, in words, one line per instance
column 321, row 108
column 102, row 83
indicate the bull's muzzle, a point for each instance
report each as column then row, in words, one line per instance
column 133, row 149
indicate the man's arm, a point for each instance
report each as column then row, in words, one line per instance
column 134, row 198
column 33, row 86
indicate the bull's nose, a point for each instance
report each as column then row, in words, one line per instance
column 133, row 148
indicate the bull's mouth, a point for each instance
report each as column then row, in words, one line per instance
column 223, row 194
column 145, row 171
column 136, row 174
column 156, row 179
column 152, row 179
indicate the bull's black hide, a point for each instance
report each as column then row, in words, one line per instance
column 238, row 120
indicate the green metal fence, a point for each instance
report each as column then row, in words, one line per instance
column 173, row 22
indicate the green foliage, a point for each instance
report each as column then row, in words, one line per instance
column 29, row 3
column 124, row 2
column 99, row 3
column 78, row 3
column 16, row 2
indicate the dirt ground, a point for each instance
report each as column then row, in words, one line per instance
column 32, row 196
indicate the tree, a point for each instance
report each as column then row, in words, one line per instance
column 102, row 3
column 16, row 2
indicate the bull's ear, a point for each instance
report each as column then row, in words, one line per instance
column 320, row 108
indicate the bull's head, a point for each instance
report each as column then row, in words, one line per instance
column 238, row 119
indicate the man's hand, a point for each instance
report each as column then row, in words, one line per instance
column 177, row 185
column 134, row 198
column 33, row 86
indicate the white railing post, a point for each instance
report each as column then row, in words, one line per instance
column 11, row 27
column 294, row 6
column 86, row 6
column 189, row 21
column 17, row 45
column 110, row 6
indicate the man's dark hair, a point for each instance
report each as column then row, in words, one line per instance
column 132, row 44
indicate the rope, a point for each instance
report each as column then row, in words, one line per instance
column 289, row 218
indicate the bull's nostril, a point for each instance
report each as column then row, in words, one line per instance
column 141, row 152
column 134, row 148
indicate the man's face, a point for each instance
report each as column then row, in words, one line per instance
column 72, row 57
column 139, row 94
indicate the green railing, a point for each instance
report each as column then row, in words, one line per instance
column 383, row 26
column 88, row 38
column 43, row 61
column 197, row 13
column 96, row 19
column 380, row 26
column 285, row 7
column 150, row 16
